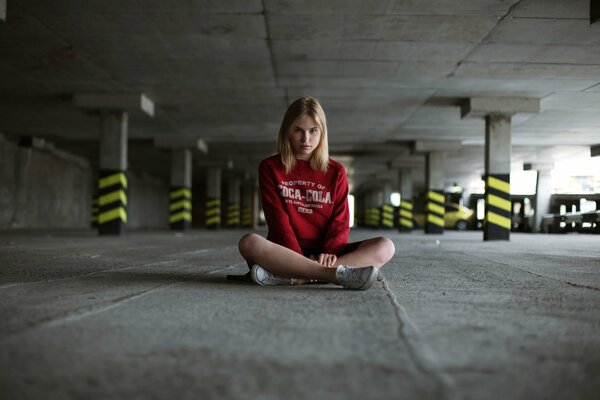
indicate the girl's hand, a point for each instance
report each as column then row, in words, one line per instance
column 326, row 260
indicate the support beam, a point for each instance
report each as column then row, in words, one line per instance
column 213, row 198
column 434, row 176
column 497, row 221
column 480, row 107
column 180, row 198
column 112, row 183
column 182, row 142
column 106, row 101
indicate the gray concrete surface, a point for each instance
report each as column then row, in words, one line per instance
column 151, row 316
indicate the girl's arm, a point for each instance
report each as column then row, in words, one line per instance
column 280, row 230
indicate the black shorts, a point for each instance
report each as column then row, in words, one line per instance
column 315, row 251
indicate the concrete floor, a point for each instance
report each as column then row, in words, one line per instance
column 152, row 316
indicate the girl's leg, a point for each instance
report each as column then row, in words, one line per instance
column 376, row 252
column 281, row 260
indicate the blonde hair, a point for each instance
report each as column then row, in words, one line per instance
column 303, row 107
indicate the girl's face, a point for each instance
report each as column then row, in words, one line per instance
column 305, row 137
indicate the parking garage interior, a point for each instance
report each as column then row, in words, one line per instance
column 130, row 137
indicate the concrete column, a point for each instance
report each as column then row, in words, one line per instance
column 387, row 210
column 543, row 194
column 405, row 223
column 213, row 198
column 434, row 182
column 233, row 202
column 180, row 198
column 2, row 10
column 246, row 204
column 112, row 182
column 112, row 187
column 497, row 221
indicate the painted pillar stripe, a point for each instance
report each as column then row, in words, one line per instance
column 435, row 212
column 499, row 202
column 213, row 203
column 180, row 216
column 498, row 207
column 499, row 220
column 435, row 220
column 498, row 184
column 387, row 216
column 434, row 196
column 406, row 223
column 117, row 213
column 435, row 208
column 406, row 205
column 117, row 195
column 185, row 204
column 213, row 221
column 113, row 179
column 213, row 213
column 406, row 214
column 185, row 193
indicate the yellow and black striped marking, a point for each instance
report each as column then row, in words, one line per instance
column 405, row 220
column 233, row 215
column 435, row 212
column 497, row 221
column 387, row 216
column 373, row 217
column 180, row 208
column 112, row 202
column 213, row 213
column 247, row 217
column 94, row 218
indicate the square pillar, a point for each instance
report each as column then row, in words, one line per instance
column 434, row 176
column 112, row 179
column 405, row 220
column 213, row 198
column 497, row 220
column 233, row 202
column 180, row 198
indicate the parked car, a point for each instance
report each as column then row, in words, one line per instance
column 455, row 217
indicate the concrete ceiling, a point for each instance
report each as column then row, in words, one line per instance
column 386, row 71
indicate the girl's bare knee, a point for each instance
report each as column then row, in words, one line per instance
column 248, row 244
column 385, row 250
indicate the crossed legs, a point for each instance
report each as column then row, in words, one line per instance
column 287, row 263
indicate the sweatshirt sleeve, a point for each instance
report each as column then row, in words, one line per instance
column 278, row 221
column 338, row 227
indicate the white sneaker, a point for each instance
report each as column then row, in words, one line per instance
column 263, row 277
column 355, row 278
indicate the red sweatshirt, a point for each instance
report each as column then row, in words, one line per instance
column 305, row 208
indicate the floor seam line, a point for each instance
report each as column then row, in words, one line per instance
column 422, row 355
column 573, row 284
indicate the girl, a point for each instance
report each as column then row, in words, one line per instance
column 304, row 196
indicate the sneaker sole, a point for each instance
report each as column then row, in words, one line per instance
column 254, row 276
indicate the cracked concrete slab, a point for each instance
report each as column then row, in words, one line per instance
column 152, row 315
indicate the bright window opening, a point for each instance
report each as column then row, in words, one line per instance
column 395, row 199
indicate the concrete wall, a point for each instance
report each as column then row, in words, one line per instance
column 42, row 187
column 148, row 202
